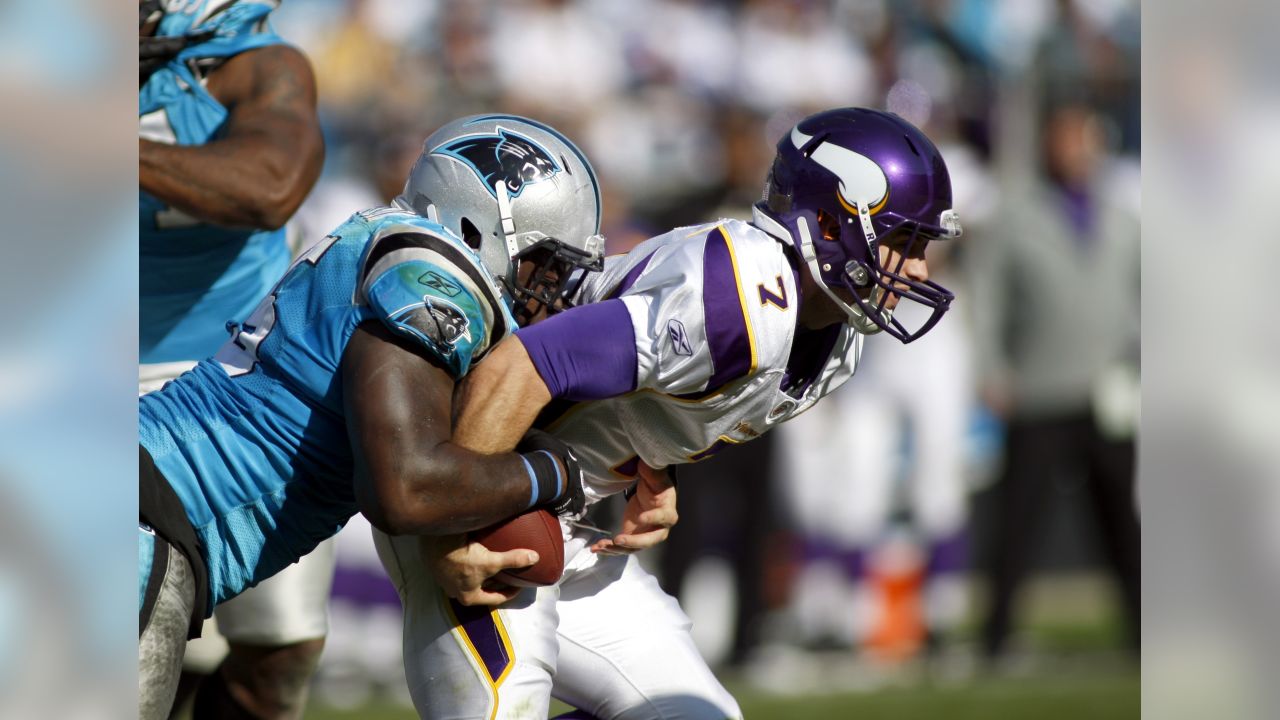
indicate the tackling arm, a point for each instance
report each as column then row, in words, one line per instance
column 410, row 478
column 500, row 399
column 258, row 172
column 584, row 353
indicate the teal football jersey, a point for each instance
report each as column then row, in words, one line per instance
column 254, row 441
column 193, row 276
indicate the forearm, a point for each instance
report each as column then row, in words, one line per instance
column 586, row 353
column 409, row 476
column 453, row 490
column 233, row 182
column 499, row 400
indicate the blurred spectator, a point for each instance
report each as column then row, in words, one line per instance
column 663, row 148
column 554, row 59
column 732, row 518
column 792, row 55
column 1056, row 294
column 689, row 43
column 352, row 59
column 901, row 423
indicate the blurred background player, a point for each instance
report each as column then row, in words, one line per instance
column 229, row 146
column 1056, row 288
column 893, row 439
column 876, row 480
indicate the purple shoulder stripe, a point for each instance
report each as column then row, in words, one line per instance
column 630, row 278
column 733, row 351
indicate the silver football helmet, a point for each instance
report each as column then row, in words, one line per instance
column 512, row 188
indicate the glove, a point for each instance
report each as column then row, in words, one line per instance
column 552, row 459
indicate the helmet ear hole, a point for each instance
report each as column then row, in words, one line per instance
column 471, row 235
column 475, row 170
column 829, row 225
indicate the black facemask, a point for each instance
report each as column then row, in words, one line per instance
column 549, row 284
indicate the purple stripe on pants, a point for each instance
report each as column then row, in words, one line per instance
column 364, row 587
column 481, row 629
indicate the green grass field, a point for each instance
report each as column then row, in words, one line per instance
column 1070, row 668
column 1069, row 673
column 1096, row 697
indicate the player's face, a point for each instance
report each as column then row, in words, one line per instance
column 897, row 253
column 894, row 255
column 529, row 265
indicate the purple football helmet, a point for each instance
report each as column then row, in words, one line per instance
column 874, row 174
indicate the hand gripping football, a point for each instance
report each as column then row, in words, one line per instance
column 536, row 530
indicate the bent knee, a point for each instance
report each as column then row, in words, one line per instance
column 273, row 681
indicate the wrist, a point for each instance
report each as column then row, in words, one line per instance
column 547, row 477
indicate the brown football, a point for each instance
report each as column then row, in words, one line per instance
column 536, row 530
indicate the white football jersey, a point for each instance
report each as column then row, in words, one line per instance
column 714, row 310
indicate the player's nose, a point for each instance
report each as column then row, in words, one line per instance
column 916, row 269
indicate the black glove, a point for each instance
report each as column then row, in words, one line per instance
column 550, row 458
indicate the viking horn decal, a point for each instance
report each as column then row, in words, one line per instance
column 862, row 182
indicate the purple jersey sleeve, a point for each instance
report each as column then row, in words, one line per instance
column 585, row 353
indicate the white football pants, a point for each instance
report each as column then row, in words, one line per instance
column 605, row 639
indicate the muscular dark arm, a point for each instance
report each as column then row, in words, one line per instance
column 409, row 477
column 500, row 399
column 257, row 173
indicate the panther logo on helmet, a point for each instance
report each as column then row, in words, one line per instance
column 506, row 157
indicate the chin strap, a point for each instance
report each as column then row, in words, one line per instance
column 504, row 214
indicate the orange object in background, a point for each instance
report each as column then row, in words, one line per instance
column 895, row 576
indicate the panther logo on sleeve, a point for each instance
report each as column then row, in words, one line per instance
column 439, row 320
column 509, row 157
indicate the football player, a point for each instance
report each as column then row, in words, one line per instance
column 335, row 394
column 698, row 339
column 229, row 146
